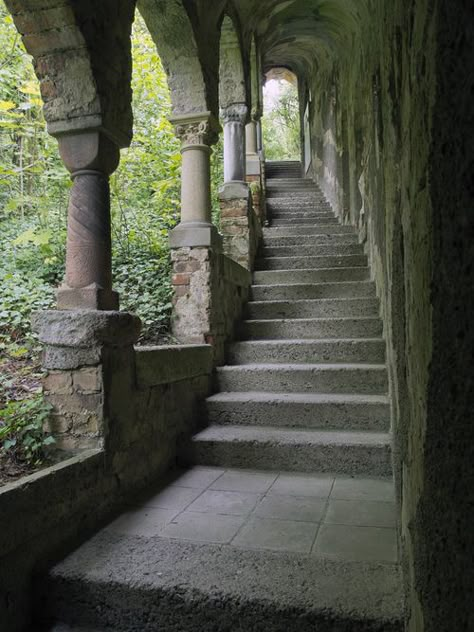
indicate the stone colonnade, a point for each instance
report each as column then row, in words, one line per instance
column 209, row 288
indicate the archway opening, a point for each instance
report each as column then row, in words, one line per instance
column 281, row 116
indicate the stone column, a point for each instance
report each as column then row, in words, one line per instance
column 90, row 157
column 251, row 138
column 197, row 133
column 252, row 155
column 234, row 117
column 259, row 137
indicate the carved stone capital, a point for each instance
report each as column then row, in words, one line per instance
column 196, row 129
column 235, row 113
column 89, row 151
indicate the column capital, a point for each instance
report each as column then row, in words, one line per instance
column 201, row 128
column 235, row 113
column 89, row 151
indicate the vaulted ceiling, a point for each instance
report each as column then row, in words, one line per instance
column 302, row 34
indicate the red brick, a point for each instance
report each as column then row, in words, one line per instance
column 180, row 279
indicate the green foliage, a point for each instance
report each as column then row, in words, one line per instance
column 34, row 189
column 281, row 126
column 144, row 284
column 21, row 430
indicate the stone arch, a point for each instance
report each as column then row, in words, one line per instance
column 233, row 80
column 82, row 57
column 192, row 88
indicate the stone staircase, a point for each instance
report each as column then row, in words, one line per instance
column 284, row 520
column 305, row 388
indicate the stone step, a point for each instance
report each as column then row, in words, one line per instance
column 352, row 453
column 296, row 192
column 309, row 328
column 274, row 239
column 350, row 350
column 276, row 189
column 144, row 583
column 289, row 184
column 275, row 175
column 301, row 214
column 321, row 229
column 289, row 199
column 302, row 221
column 311, row 262
column 313, row 308
column 296, row 410
column 290, row 206
column 295, row 291
column 321, row 275
column 316, row 250
column 303, row 378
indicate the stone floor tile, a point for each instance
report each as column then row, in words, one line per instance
column 361, row 513
column 203, row 527
column 173, row 497
column 146, row 522
column 356, row 543
column 302, row 508
column 278, row 535
column 245, row 481
column 363, row 489
column 197, row 477
column 302, row 485
column 227, row 503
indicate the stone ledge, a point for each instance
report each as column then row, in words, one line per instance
column 86, row 328
column 164, row 365
column 31, row 505
column 234, row 273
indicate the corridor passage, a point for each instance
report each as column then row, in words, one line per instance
column 283, row 516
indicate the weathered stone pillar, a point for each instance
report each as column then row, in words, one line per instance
column 259, row 138
column 89, row 357
column 197, row 133
column 240, row 225
column 251, row 138
column 90, row 157
column 195, row 243
column 253, row 161
column 234, row 117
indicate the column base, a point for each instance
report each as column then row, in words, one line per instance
column 237, row 189
column 91, row 297
column 195, row 235
column 253, row 165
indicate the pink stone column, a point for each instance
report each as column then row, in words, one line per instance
column 90, row 157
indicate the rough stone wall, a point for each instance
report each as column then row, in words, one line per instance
column 241, row 227
column 391, row 153
column 443, row 529
column 82, row 56
column 149, row 401
column 209, row 292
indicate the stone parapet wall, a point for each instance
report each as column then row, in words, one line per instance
column 241, row 222
column 210, row 291
column 122, row 411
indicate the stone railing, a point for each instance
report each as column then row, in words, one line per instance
column 126, row 408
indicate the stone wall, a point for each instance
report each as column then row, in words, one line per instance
column 390, row 153
column 133, row 406
column 241, row 222
column 82, row 57
column 210, row 292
